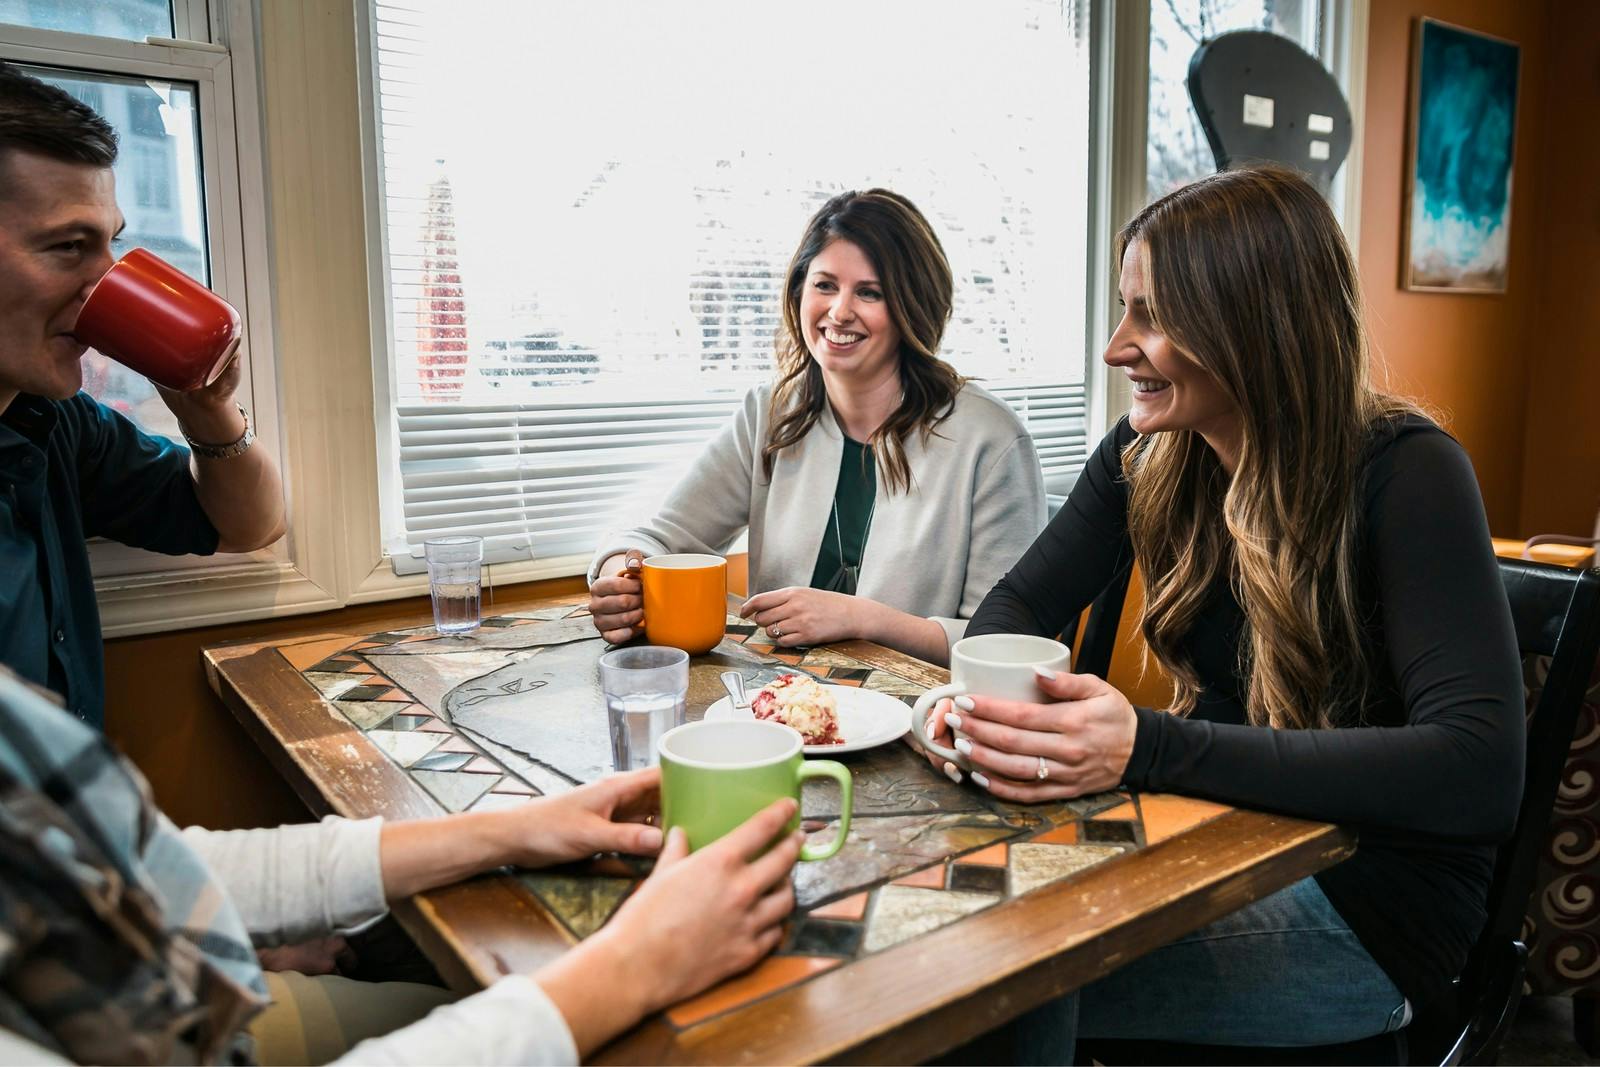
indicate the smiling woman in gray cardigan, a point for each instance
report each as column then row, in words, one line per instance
column 884, row 495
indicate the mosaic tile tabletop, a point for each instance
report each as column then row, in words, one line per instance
column 514, row 711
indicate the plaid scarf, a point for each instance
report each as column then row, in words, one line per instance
column 116, row 943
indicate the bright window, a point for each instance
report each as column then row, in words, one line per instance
column 588, row 208
column 132, row 20
column 1178, row 152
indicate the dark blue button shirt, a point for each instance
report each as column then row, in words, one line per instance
column 71, row 470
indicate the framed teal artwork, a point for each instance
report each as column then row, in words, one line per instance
column 1463, row 139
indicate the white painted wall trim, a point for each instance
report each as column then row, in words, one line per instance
column 1122, row 106
column 1349, row 21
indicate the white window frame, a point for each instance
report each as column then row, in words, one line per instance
column 214, row 50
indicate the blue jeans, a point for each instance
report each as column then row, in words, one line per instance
column 1284, row 971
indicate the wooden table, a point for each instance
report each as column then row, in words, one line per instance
column 947, row 913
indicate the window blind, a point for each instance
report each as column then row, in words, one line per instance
column 578, row 303
column 549, row 479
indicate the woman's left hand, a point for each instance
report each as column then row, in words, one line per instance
column 1083, row 743
column 605, row 816
column 802, row 616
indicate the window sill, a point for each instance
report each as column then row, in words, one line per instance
column 384, row 584
column 177, row 601
column 159, row 603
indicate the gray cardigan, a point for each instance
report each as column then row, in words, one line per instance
column 976, row 503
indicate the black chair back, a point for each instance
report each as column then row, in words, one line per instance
column 1260, row 96
column 1556, row 612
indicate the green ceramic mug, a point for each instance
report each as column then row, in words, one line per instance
column 716, row 775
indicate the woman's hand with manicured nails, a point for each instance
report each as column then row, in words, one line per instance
column 696, row 920
column 802, row 616
column 616, row 599
column 1085, row 740
column 940, row 733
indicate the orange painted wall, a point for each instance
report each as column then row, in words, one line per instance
column 1469, row 356
column 1561, row 448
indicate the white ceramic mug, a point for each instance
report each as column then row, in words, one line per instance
column 992, row 665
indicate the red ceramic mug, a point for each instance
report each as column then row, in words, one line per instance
column 151, row 317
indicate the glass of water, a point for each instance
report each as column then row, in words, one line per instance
column 455, row 579
column 645, row 688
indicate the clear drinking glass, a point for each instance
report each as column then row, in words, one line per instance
column 455, row 579
column 645, row 690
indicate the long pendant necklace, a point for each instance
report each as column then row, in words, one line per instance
column 850, row 576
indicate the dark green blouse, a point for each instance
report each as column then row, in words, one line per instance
column 844, row 538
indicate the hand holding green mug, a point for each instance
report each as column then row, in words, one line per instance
column 715, row 775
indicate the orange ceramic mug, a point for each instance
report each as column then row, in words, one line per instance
column 685, row 600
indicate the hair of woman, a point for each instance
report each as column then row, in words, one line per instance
column 1248, row 275
column 917, row 287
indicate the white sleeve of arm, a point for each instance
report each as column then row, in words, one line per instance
column 511, row 1022
column 1008, row 511
column 709, row 507
column 16, row 1049
column 294, row 883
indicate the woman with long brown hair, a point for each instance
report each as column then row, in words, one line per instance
column 883, row 493
column 1321, row 590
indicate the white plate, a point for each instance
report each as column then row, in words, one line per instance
column 867, row 718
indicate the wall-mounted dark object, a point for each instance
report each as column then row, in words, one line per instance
column 1263, row 97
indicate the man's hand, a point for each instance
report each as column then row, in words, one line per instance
column 209, row 414
column 242, row 495
column 698, row 919
column 609, row 815
column 321, row 956
column 605, row 816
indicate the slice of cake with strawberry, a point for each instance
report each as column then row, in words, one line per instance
column 797, row 701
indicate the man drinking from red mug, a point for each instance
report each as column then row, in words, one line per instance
column 70, row 468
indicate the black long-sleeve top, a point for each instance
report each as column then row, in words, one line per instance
column 1431, row 780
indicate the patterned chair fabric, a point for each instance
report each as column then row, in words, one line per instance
column 1562, row 925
